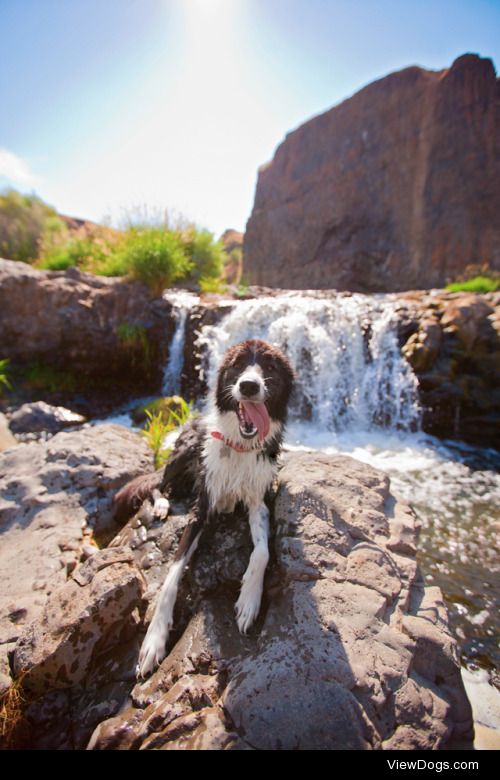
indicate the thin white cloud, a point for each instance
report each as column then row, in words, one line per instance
column 16, row 170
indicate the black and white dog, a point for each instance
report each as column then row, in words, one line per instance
column 230, row 455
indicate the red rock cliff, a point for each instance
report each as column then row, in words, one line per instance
column 397, row 187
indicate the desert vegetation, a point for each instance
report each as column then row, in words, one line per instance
column 476, row 279
column 157, row 251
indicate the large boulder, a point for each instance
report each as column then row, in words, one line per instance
column 39, row 417
column 54, row 496
column 350, row 651
column 370, row 195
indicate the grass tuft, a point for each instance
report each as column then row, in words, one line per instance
column 162, row 422
column 478, row 284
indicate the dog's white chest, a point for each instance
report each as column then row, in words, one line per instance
column 233, row 476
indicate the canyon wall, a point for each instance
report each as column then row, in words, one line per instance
column 396, row 188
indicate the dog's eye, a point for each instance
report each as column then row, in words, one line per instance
column 232, row 373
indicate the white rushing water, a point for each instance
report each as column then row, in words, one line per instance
column 350, row 373
column 183, row 302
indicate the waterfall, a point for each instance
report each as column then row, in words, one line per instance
column 182, row 302
column 350, row 372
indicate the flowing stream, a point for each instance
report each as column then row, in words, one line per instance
column 358, row 396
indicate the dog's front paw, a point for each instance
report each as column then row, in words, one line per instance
column 153, row 649
column 247, row 607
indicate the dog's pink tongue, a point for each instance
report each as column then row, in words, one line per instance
column 257, row 413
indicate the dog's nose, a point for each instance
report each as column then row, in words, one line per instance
column 249, row 388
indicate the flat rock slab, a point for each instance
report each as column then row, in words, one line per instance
column 51, row 495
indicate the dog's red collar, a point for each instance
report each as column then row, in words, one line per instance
column 232, row 444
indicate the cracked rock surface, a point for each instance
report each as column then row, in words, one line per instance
column 350, row 651
column 53, row 494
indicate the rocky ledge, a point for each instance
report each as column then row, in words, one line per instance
column 106, row 336
column 452, row 342
column 350, row 651
column 55, row 500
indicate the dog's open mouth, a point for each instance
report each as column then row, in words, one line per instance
column 253, row 419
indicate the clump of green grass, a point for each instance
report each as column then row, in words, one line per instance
column 478, row 284
column 153, row 256
column 212, row 285
column 163, row 422
column 74, row 253
column 242, row 288
column 4, row 382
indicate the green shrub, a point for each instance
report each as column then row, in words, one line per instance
column 207, row 256
column 154, row 256
column 478, row 284
column 76, row 252
column 88, row 248
column 25, row 223
column 154, row 248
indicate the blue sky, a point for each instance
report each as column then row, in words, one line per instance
column 107, row 106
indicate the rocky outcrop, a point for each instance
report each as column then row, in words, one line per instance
column 350, row 651
column 55, row 496
column 452, row 341
column 83, row 618
column 96, row 332
column 394, row 189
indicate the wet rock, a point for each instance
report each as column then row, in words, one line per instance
column 194, row 377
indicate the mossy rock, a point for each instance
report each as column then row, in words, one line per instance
column 164, row 405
